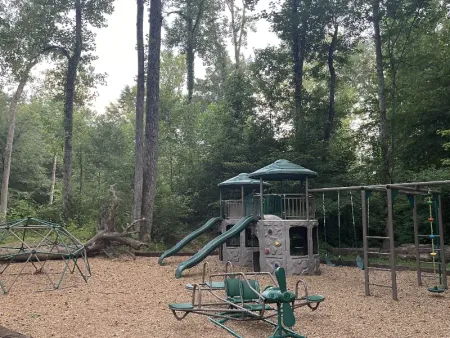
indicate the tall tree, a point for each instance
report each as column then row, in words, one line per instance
column 240, row 23
column 72, row 41
column 189, row 31
column 343, row 27
column 69, row 89
column 140, row 96
column 383, row 136
column 26, row 29
column 152, row 120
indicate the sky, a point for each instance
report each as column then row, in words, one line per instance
column 117, row 54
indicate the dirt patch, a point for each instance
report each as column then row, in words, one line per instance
column 128, row 298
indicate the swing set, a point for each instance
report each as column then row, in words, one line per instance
column 435, row 235
column 338, row 262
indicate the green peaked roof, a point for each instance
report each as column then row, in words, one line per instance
column 282, row 170
column 241, row 179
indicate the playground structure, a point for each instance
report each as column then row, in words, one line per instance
column 264, row 231
column 28, row 244
column 412, row 191
column 240, row 299
column 270, row 230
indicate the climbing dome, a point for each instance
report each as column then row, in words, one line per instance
column 36, row 254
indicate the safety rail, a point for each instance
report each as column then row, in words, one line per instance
column 285, row 206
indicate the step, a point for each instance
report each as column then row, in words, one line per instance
column 378, row 253
column 378, row 237
column 424, row 262
column 382, row 285
column 379, row 269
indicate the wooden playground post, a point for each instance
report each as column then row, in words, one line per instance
column 220, row 201
column 261, row 197
column 310, row 230
column 416, row 242
column 242, row 200
column 391, row 243
column 442, row 244
column 365, row 242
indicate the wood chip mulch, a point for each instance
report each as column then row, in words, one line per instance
column 129, row 298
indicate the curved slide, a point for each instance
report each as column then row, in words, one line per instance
column 213, row 244
column 181, row 244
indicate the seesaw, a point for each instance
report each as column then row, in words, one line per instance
column 243, row 301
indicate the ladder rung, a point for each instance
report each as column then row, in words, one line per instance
column 378, row 253
column 379, row 269
column 428, row 236
column 381, row 285
column 378, row 237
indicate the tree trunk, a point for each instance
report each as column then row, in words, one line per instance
column 138, row 170
column 384, row 140
column 237, row 30
column 10, row 139
column 68, row 112
column 331, row 110
column 152, row 120
column 298, row 54
column 190, row 59
column 52, row 186
column 296, row 58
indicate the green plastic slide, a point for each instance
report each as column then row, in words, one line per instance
column 215, row 243
column 193, row 235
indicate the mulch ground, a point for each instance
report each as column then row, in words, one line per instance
column 128, row 298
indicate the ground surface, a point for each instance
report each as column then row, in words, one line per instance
column 128, row 298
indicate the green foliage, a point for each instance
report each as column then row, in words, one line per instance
column 241, row 119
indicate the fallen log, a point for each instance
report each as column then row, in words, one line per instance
column 107, row 235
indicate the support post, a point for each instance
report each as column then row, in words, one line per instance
column 311, row 262
column 242, row 200
column 307, row 198
column 365, row 244
column 261, row 202
column 220, row 201
column 442, row 244
column 391, row 243
column 416, row 242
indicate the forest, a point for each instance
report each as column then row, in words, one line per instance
column 356, row 90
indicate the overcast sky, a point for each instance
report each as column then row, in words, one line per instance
column 117, row 55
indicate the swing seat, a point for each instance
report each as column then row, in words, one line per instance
column 329, row 262
column 436, row 289
column 359, row 263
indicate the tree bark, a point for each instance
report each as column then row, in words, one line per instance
column 331, row 109
column 190, row 59
column 52, row 186
column 298, row 54
column 152, row 120
column 140, row 95
column 68, row 112
column 192, row 27
column 10, row 139
column 384, row 140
